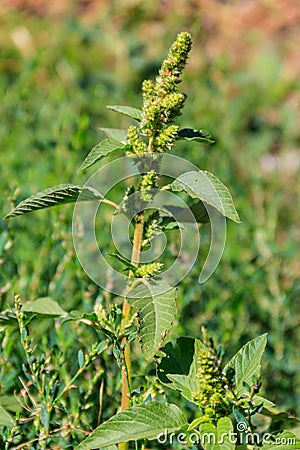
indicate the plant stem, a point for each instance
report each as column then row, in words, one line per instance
column 126, row 372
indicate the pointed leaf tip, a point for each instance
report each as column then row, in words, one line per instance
column 209, row 189
column 144, row 421
column 62, row 194
column 101, row 150
column 134, row 113
column 247, row 363
column 156, row 307
column 195, row 135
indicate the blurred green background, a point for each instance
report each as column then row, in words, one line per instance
column 63, row 62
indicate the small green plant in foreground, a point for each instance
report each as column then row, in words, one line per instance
column 228, row 410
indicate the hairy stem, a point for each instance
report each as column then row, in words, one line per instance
column 126, row 372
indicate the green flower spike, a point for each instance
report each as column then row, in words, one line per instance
column 162, row 102
column 212, row 395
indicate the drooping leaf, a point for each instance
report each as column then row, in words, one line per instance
column 116, row 134
column 195, row 135
column 218, row 437
column 246, row 363
column 206, row 187
column 269, row 409
column 155, row 304
column 240, row 418
column 44, row 306
column 144, row 421
column 183, row 215
column 5, row 418
column 62, row 194
column 282, row 441
column 123, row 260
column 102, row 149
column 134, row 113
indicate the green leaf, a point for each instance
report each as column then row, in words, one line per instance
column 134, row 113
column 116, row 134
column 8, row 317
column 218, row 437
column 45, row 306
column 62, row 194
column 195, row 135
column 155, row 304
column 123, row 260
column 178, row 358
column 5, row 418
column 259, row 400
column 269, row 409
column 10, row 403
column 178, row 369
column 80, row 358
column 144, row 421
column 44, row 416
column 282, row 441
column 185, row 384
column 111, row 447
column 246, row 363
column 102, row 149
column 184, row 214
column 206, row 187
column 240, row 418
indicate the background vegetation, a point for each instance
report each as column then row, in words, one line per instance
column 61, row 64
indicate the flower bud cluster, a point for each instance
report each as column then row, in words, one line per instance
column 148, row 182
column 162, row 100
column 108, row 319
column 166, row 138
column 138, row 146
column 212, row 395
column 149, row 270
column 150, row 227
column 130, row 201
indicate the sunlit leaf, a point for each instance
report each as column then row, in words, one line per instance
column 217, row 437
column 247, row 363
column 102, row 149
column 45, row 306
column 206, row 187
column 115, row 134
column 134, row 113
column 144, row 421
column 155, row 304
column 5, row 418
column 62, row 194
